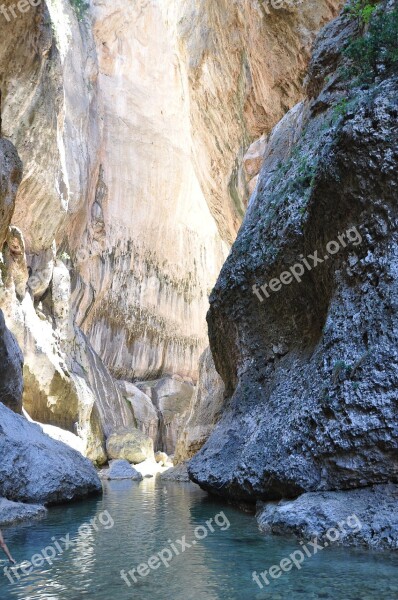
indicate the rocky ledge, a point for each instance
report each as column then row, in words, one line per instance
column 14, row 512
column 366, row 517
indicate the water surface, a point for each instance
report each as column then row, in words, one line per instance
column 147, row 518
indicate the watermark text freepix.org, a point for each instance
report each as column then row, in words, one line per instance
column 11, row 12
column 276, row 4
column 176, row 548
column 309, row 549
column 296, row 272
column 59, row 546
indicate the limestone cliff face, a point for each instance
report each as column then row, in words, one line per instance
column 47, row 79
column 154, row 247
column 303, row 320
column 132, row 120
column 184, row 87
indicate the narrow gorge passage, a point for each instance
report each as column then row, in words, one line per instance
column 198, row 337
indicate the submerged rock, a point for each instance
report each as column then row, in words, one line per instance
column 120, row 469
column 129, row 444
column 365, row 517
column 36, row 468
column 178, row 473
column 14, row 512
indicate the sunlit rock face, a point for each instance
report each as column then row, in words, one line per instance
column 145, row 413
column 171, row 396
column 155, row 248
column 47, row 78
column 245, row 61
column 185, row 87
column 48, row 82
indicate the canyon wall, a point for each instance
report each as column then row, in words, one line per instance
column 132, row 120
column 50, row 113
column 302, row 321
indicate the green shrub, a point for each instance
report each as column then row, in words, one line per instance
column 64, row 256
column 377, row 46
column 361, row 10
column 80, row 7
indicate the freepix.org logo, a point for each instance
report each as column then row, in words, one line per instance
column 297, row 271
column 15, row 10
column 267, row 5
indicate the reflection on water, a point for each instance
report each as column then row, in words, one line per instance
column 147, row 518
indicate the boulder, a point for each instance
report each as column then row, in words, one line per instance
column 129, row 444
column 364, row 517
column 120, row 469
column 35, row 468
column 162, row 458
column 146, row 415
column 14, row 512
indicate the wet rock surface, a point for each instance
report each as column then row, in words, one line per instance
column 178, row 473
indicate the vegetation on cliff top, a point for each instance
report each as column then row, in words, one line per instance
column 375, row 53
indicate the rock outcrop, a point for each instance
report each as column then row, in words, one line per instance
column 65, row 382
column 130, row 444
column 37, row 469
column 204, row 410
column 14, row 512
column 171, row 396
column 302, row 323
column 365, row 517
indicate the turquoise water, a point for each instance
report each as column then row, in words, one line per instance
column 145, row 517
